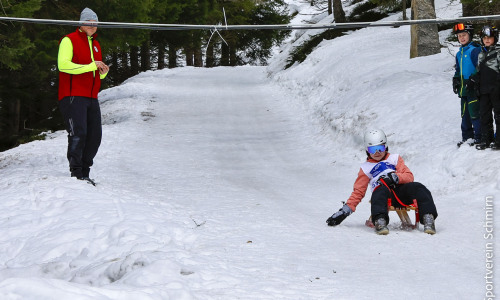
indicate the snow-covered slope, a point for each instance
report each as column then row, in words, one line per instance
column 216, row 184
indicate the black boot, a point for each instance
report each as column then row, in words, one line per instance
column 85, row 171
column 91, row 181
column 495, row 146
column 483, row 145
column 469, row 142
column 76, row 172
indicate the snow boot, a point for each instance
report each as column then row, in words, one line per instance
column 469, row 142
column 482, row 146
column 85, row 172
column 381, row 227
column 429, row 226
column 76, row 172
column 90, row 181
column 495, row 146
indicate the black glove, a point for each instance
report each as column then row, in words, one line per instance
column 473, row 84
column 456, row 84
column 391, row 179
column 339, row 216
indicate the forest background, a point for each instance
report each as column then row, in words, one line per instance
column 28, row 52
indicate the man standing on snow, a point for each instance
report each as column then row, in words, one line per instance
column 465, row 66
column 80, row 72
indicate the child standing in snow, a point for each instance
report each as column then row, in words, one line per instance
column 387, row 175
column 465, row 66
column 487, row 81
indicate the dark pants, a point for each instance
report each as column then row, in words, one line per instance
column 471, row 125
column 488, row 103
column 406, row 193
column 82, row 116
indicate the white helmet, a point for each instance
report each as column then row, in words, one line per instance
column 374, row 137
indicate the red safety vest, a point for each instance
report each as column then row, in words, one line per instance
column 86, row 84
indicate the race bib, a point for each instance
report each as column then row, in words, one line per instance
column 382, row 167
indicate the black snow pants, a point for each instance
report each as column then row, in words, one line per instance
column 488, row 103
column 82, row 116
column 406, row 193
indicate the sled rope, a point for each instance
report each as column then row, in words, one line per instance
column 394, row 193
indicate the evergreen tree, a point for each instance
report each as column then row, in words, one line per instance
column 393, row 5
column 480, row 7
column 15, row 56
column 168, row 42
column 28, row 52
column 252, row 46
column 121, row 46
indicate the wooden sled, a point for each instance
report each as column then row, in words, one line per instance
column 402, row 212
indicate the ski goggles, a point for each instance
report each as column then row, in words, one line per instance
column 375, row 149
column 459, row 26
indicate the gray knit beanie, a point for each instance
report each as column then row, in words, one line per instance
column 88, row 14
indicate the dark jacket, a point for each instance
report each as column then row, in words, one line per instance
column 488, row 68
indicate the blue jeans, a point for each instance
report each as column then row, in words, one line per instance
column 471, row 124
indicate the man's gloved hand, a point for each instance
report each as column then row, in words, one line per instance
column 456, row 84
column 391, row 179
column 339, row 216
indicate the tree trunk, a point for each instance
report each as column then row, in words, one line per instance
column 124, row 70
column 338, row 12
column 172, row 56
column 16, row 116
column 189, row 56
column 114, row 59
column 161, row 57
column 330, row 8
column 209, row 59
column 145, row 56
column 134, row 60
column 404, row 9
column 224, row 60
column 233, row 59
column 198, row 57
column 424, row 37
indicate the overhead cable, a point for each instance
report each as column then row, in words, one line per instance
column 153, row 26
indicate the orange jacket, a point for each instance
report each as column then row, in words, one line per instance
column 362, row 182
